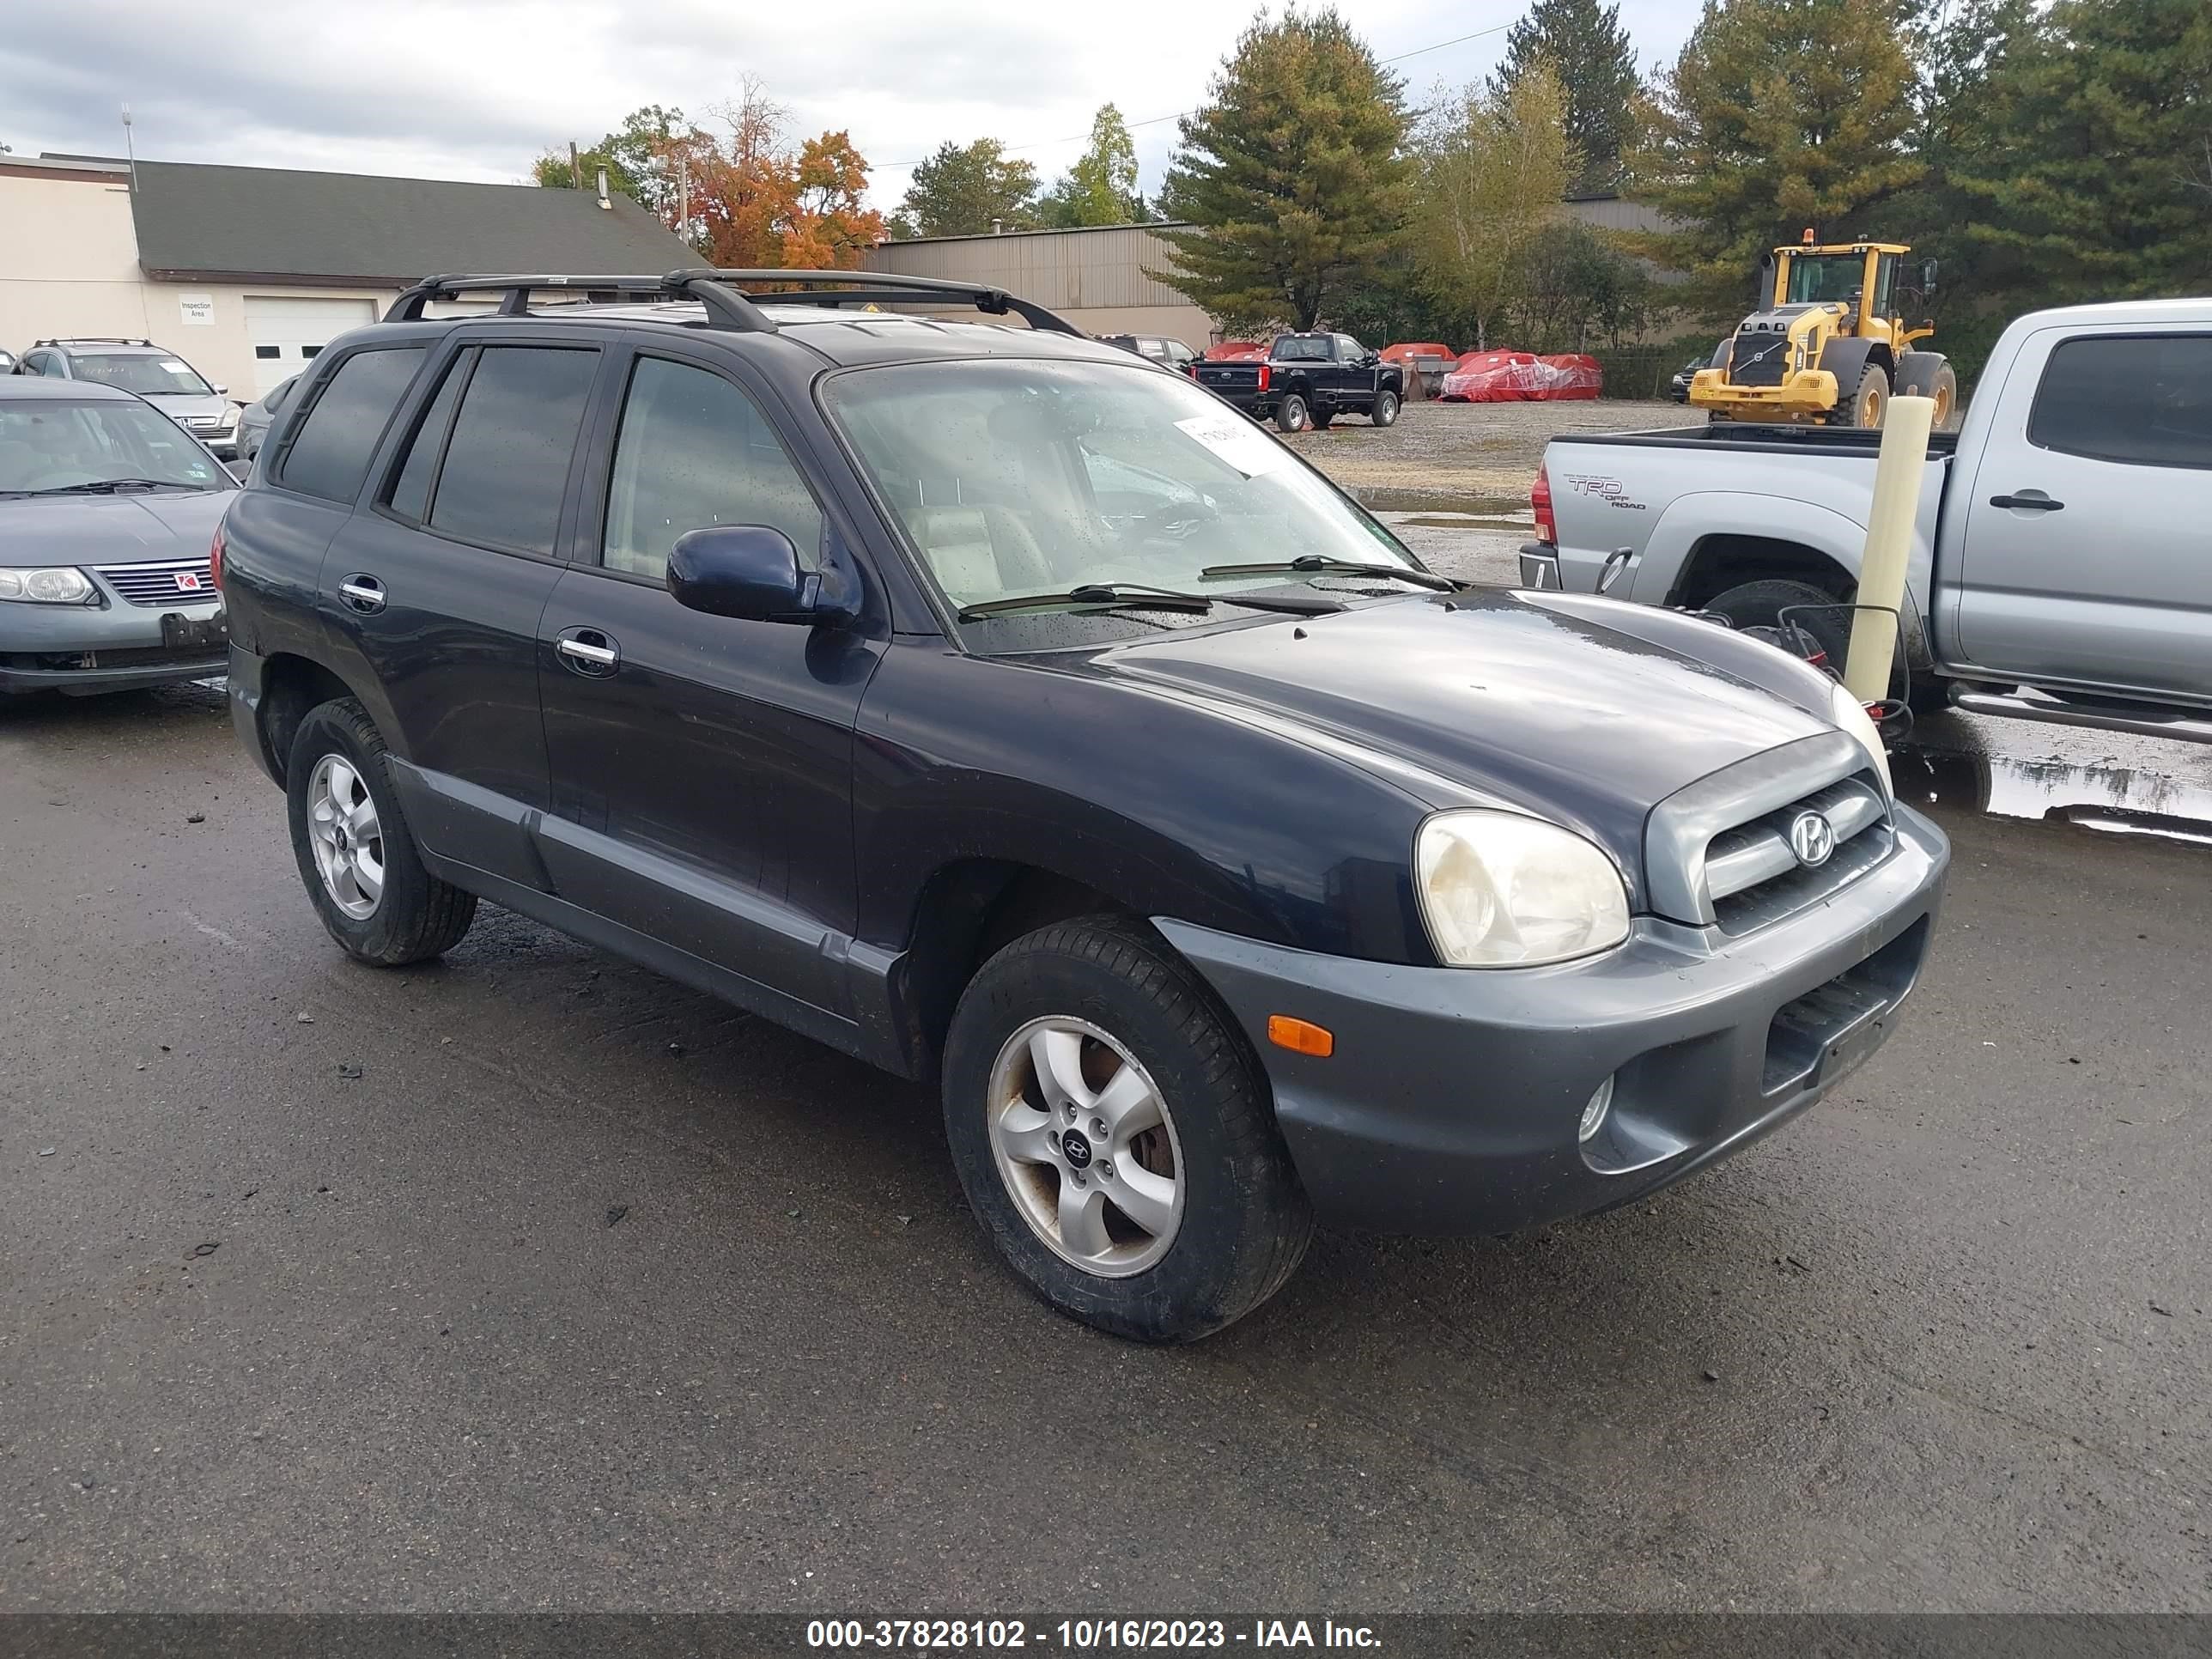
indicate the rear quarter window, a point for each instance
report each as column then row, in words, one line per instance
column 330, row 450
column 2140, row 400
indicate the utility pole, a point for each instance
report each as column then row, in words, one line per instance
column 684, row 197
column 130, row 149
column 575, row 167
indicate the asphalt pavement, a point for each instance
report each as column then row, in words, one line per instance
column 530, row 1279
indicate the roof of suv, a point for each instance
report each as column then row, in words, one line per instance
column 107, row 347
column 848, row 337
column 33, row 386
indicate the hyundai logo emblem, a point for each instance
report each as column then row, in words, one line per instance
column 1812, row 838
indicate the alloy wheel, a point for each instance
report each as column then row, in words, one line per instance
column 347, row 839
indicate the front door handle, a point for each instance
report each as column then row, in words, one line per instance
column 2033, row 501
column 589, row 651
column 363, row 593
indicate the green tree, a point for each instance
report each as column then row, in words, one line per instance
column 1293, row 172
column 1101, row 188
column 1587, row 48
column 2089, row 175
column 960, row 190
column 1777, row 115
column 1575, row 292
column 1493, row 167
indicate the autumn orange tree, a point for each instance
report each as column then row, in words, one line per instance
column 743, row 196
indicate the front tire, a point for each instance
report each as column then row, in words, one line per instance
column 1293, row 414
column 356, row 856
column 1385, row 411
column 1114, row 1135
column 1869, row 402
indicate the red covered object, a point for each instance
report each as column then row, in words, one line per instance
column 1236, row 351
column 1507, row 377
column 1406, row 351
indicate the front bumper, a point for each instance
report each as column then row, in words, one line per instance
column 80, row 649
column 1801, row 392
column 1451, row 1102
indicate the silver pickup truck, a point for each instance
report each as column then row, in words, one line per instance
column 2062, row 561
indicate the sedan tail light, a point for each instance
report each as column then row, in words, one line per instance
column 1539, row 500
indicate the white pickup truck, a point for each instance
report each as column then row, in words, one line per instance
column 2062, row 561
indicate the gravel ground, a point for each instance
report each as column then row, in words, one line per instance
column 1466, row 455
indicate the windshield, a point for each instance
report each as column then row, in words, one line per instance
column 1818, row 279
column 46, row 444
column 148, row 374
column 1021, row 477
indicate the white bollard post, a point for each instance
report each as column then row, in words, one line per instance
column 1890, row 519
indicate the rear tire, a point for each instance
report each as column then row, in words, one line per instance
column 1293, row 413
column 1385, row 409
column 1098, row 1015
column 356, row 855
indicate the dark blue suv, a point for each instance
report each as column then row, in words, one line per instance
column 1004, row 709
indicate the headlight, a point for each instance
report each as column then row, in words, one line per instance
column 59, row 586
column 1502, row 891
column 1853, row 719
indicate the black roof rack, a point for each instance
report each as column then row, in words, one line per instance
column 90, row 339
column 726, row 306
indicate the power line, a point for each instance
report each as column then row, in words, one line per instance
column 1155, row 120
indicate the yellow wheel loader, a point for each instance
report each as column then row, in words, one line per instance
column 1828, row 347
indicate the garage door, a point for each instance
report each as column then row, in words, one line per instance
column 286, row 334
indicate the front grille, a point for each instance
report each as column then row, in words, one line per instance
column 183, row 581
column 1760, row 358
column 1753, row 877
column 1718, row 853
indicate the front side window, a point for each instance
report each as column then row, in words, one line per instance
column 1015, row 477
column 330, row 450
column 506, row 466
column 49, row 444
column 146, row 373
column 694, row 450
column 2144, row 399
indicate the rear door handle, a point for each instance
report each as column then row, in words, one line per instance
column 588, row 652
column 2034, row 501
column 363, row 593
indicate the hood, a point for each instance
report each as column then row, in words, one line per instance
column 109, row 529
column 1473, row 699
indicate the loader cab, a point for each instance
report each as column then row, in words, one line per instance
column 1862, row 278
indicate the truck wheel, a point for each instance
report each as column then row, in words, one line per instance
column 1322, row 418
column 1868, row 400
column 1385, row 409
column 355, row 850
column 1945, row 390
column 1761, row 605
column 1114, row 1136
column 1293, row 414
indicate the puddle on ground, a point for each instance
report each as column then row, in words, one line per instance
column 1383, row 499
column 2116, row 800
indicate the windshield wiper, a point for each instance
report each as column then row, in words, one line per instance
column 1312, row 564
column 111, row 485
column 1136, row 596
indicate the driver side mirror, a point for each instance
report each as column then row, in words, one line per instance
column 748, row 571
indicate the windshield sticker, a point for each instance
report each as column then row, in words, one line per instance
column 1235, row 440
column 175, row 366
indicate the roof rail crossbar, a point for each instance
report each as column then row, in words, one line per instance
column 891, row 286
column 726, row 305
column 91, row 339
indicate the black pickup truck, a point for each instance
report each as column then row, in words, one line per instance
column 1308, row 380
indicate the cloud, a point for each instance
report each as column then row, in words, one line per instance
column 477, row 88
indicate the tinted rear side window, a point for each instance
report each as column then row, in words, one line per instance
column 329, row 454
column 2144, row 399
column 506, row 464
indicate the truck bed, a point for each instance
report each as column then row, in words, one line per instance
column 1744, row 437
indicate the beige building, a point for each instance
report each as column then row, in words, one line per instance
column 246, row 272
column 1095, row 278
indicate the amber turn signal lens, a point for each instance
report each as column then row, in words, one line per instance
column 1301, row 1036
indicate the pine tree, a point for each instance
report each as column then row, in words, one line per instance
column 1777, row 115
column 2090, row 175
column 962, row 188
column 1583, row 42
column 1101, row 188
column 1293, row 172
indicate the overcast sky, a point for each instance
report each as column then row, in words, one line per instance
column 477, row 88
